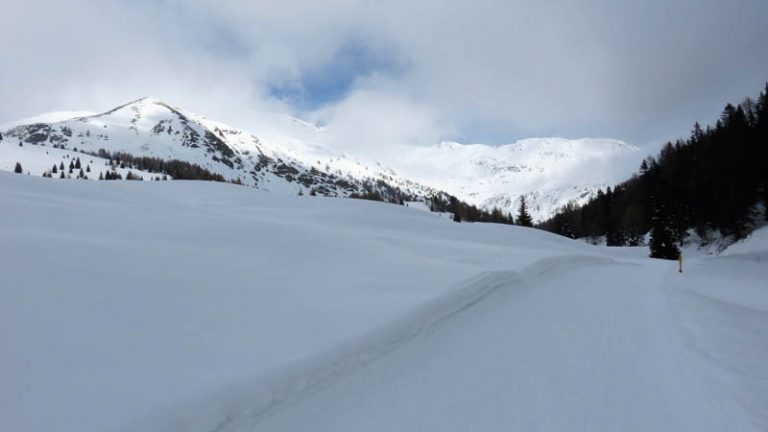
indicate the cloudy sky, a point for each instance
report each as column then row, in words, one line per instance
column 396, row 71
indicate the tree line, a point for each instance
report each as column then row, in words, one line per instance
column 464, row 212
column 715, row 180
column 441, row 203
column 177, row 169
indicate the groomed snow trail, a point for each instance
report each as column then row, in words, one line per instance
column 589, row 347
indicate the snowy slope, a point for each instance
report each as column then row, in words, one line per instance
column 122, row 299
column 36, row 160
column 754, row 244
column 549, row 172
column 293, row 155
column 194, row 306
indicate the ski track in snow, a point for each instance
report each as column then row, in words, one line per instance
column 293, row 383
column 629, row 338
column 615, row 364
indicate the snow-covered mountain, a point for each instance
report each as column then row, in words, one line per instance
column 550, row 172
column 149, row 127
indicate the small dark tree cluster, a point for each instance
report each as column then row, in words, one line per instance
column 132, row 176
column 380, row 190
column 111, row 175
column 463, row 212
column 17, row 169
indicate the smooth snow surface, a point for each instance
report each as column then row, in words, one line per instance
column 191, row 306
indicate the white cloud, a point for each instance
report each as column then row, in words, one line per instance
column 377, row 121
column 629, row 70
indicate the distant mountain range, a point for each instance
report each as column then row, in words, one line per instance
column 550, row 172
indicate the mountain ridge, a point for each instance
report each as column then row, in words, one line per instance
column 482, row 175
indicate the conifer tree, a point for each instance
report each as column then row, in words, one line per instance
column 663, row 242
column 54, row 169
column 17, row 169
column 523, row 217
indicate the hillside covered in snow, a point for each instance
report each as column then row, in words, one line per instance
column 200, row 306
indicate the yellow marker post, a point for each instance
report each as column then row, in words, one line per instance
column 680, row 263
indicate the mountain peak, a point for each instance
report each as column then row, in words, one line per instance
column 146, row 111
column 146, row 100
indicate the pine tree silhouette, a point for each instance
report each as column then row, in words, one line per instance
column 663, row 243
column 523, row 217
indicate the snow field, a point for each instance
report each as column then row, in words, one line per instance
column 192, row 306
column 122, row 299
